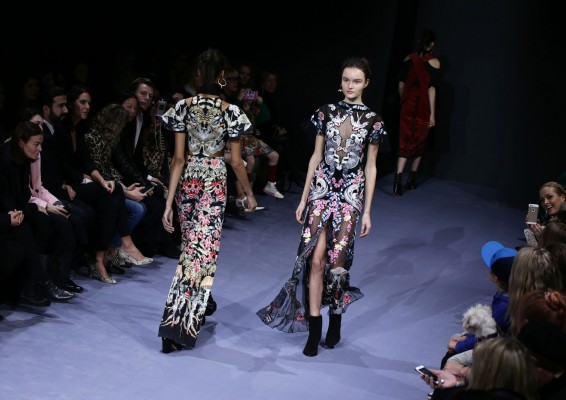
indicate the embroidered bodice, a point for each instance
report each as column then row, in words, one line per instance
column 207, row 126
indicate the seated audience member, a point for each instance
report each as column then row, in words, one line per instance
column 533, row 269
column 500, row 363
column 49, row 222
column 81, row 215
column 140, row 158
column 499, row 260
column 552, row 195
column 553, row 232
column 558, row 253
column 541, row 326
column 96, row 153
column 20, row 268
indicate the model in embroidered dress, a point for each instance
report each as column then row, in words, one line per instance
column 202, row 124
column 342, row 182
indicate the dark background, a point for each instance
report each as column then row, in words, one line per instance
column 500, row 107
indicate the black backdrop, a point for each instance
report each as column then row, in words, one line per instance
column 499, row 102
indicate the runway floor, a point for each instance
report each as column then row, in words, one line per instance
column 420, row 269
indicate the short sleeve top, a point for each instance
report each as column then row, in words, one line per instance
column 207, row 126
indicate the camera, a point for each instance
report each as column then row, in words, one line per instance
column 250, row 95
column 160, row 108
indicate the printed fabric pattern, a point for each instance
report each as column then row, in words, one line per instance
column 335, row 201
column 201, row 202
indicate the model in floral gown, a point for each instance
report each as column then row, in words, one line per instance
column 342, row 173
column 202, row 125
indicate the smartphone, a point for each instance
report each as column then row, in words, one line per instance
column 421, row 369
column 148, row 189
column 532, row 214
column 160, row 108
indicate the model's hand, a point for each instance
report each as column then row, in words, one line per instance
column 299, row 213
column 366, row 225
column 250, row 204
column 167, row 219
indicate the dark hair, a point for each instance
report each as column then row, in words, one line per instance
column 426, row 38
column 24, row 132
column 141, row 81
column 28, row 112
column 49, row 94
column 554, row 232
column 210, row 64
column 73, row 94
column 123, row 95
column 360, row 63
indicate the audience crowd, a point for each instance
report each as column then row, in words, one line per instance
column 85, row 177
column 525, row 356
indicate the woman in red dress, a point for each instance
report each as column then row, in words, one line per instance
column 418, row 98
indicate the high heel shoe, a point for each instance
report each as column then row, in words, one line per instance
column 128, row 258
column 397, row 189
column 168, row 346
column 93, row 273
column 412, row 181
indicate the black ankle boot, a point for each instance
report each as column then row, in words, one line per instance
column 333, row 333
column 210, row 306
column 168, row 346
column 412, row 181
column 315, row 332
column 397, row 185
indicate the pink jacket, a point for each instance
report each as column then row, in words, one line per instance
column 39, row 195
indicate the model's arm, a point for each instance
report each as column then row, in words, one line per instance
column 370, row 177
column 435, row 63
column 315, row 159
column 401, row 87
column 432, row 102
column 177, row 163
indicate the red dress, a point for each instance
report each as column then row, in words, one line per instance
column 415, row 106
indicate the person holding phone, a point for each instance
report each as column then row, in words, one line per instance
column 202, row 124
column 336, row 197
column 552, row 195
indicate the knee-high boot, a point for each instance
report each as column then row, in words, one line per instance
column 315, row 332
column 397, row 184
column 333, row 332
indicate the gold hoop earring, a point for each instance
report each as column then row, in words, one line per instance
column 220, row 80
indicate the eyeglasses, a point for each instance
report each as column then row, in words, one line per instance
column 233, row 78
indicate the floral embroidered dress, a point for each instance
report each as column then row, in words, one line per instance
column 201, row 201
column 335, row 200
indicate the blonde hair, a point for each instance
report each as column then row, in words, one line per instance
column 558, row 188
column 533, row 269
column 503, row 363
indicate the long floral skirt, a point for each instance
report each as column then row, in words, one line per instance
column 201, row 201
column 289, row 311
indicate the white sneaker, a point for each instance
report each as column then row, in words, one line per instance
column 271, row 190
